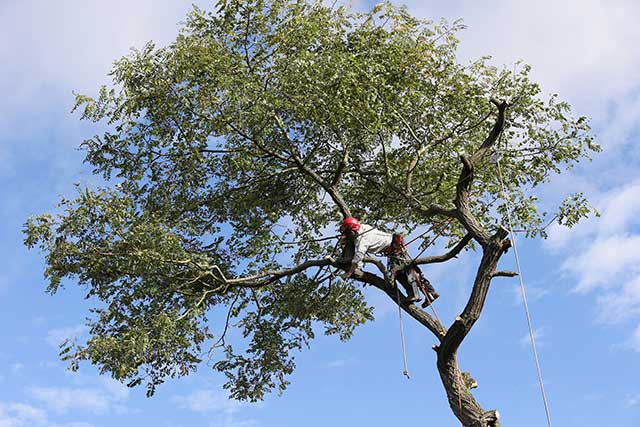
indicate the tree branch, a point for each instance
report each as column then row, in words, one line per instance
column 504, row 274
column 330, row 189
column 414, row 311
column 341, row 168
column 446, row 256
column 463, row 186
column 271, row 276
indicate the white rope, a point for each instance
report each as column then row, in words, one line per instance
column 404, row 350
column 524, row 295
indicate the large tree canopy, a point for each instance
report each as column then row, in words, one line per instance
column 230, row 150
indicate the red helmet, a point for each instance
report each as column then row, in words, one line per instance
column 350, row 223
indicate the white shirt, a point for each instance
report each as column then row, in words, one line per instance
column 370, row 240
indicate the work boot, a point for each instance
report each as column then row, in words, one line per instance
column 414, row 298
column 413, row 292
column 430, row 294
column 430, row 297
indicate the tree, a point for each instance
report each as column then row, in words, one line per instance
column 230, row 151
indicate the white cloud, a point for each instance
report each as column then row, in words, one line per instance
column 634, row 341
column 357, row 5
column 51, row 49
column 17, row 414
column 341, row 363
column 205, row 400
column 594, row 396
column 50, row 364
column 538, row 335
column 74, row 40
column 57, row 336
column 219, row 409
column 20, row 415
column 117, row 390
column 93, row 400
column 603, row 262
column 621, row 304
column 16, row 367
column 4, row 283
column 573, row 45
column 621, row 209
column 620, row 123
column 39, row 321
column 103, row 396
column 64, row 399
column 230, row 421
column 534, row 293
column 27, row 412
column 584, row 50
column 632, row 400
column 604, row 255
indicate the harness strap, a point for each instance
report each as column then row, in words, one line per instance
column 397, row 246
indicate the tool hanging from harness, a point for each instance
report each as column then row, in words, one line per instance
column 397, row 252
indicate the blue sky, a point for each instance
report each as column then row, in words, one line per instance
column 584, row 285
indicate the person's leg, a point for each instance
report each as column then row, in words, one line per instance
column 407, row 280
column 430, row 293
column 410, row 286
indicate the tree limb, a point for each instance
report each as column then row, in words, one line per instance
column 414, row 311
column 341, row 168
column 271, row 276
column 446, row 256
column 463, row 187
column 329, row 188
column 504, row 274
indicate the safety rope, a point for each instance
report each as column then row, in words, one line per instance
column 422, row 234
column 405, row 372
column 442, row 226
column 426, row 294
column 524, row 294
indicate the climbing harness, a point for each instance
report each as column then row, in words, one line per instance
column 512, row 234
column 396, row 247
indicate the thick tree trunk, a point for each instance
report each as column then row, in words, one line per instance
column 461, row 401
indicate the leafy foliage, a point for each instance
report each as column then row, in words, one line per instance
column 263, row 122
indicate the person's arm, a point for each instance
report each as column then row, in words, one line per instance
column 349, row 272
column 356, row 260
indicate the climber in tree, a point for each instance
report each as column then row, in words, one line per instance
column 370, row 240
